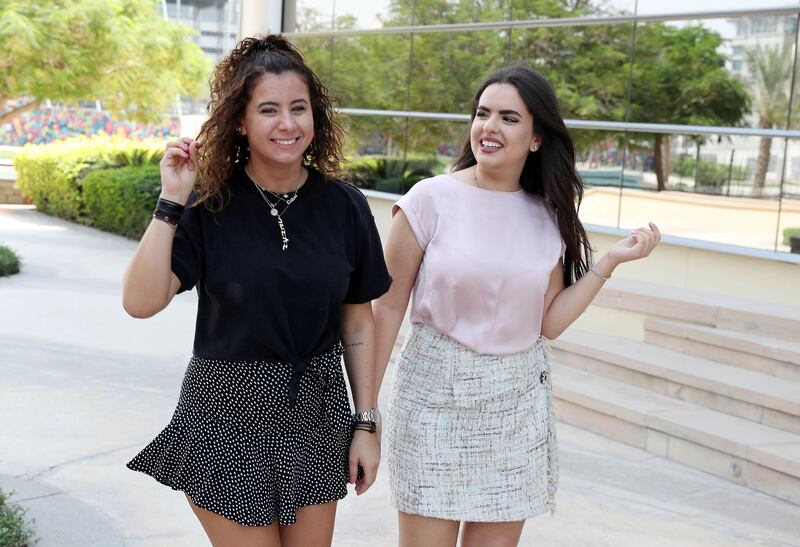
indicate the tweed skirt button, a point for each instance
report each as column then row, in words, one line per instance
column 470, row 436
column 237, row 447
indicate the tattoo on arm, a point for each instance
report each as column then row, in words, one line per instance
column 353, row 344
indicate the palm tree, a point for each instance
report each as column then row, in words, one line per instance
column 771, row 68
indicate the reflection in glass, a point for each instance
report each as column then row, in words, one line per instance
column 318, row 54
column 371, row 71
column 313, row 15
column 587, row 66
column 709, row 192
column 599, row 162
column 446, row 81
column 789, row 220
column 380, row 160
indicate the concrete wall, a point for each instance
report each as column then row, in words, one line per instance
column 715, row 268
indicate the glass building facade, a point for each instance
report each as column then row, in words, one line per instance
column 685, row 117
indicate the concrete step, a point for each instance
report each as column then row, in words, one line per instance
column 727, row 312
column 776, row 357
column 760, row 457
column 743, row 393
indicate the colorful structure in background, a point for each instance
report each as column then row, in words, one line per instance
column 48, row 124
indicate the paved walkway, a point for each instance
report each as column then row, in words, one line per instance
column 83, row 387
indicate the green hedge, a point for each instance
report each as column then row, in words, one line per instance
column 113, row 184
column 121, row 200
column 9, row 261
column 51, row 175
column 391, row 174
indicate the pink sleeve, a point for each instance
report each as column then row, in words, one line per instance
column 418, row 206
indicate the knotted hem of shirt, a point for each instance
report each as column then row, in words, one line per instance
column 300, row 366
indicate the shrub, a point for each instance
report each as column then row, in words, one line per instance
column 391, row 174
column 789, row 233
column 51, row 174
column 121, row 200
column 14, row 531
column 9, row 261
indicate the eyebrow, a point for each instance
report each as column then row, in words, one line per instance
column 503, row 112
column 273, row 103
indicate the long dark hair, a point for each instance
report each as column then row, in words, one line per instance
column 549, row 172
column 231, row 88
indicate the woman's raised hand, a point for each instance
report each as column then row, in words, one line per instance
column 178, row 169
column 638, row 245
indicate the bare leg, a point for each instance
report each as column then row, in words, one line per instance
column 419, row 531
column 491, row 534
column 226, row 533
column 314, row 527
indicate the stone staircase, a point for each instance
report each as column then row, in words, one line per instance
column 713, row 383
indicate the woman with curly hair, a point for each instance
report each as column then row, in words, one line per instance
column 286, row 260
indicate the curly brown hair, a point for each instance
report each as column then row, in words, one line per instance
column 231, row 87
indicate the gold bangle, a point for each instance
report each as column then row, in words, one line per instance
column 598, row 274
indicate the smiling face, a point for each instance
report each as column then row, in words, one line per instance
column 278, row 121
column 501, row 136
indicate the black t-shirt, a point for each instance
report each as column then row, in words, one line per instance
column 260, row 303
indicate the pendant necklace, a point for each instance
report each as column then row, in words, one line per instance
column 273, row 207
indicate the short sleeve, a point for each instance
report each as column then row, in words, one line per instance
column 187, row 249
column 418, row 207
column 370, row 278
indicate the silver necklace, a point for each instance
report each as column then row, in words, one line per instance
column 273, row 207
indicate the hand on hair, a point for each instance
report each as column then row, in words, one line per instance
column 178, row 173
column 638, row 245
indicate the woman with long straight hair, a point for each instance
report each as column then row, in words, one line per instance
column 498, row 262
column 285, row 259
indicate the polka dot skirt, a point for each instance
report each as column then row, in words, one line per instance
column 236, row 447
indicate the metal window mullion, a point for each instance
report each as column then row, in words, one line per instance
column 557, row 22
column 600, row 125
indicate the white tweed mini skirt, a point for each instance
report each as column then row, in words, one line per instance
column 470, row 436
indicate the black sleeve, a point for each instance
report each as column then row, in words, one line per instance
column 369, row 278
column 187, row 249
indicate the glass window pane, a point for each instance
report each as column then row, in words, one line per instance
column 314, row 15
column 446, row 81
column 587, row 66
column 371, row 71
column 709, row 191
column 789, row 221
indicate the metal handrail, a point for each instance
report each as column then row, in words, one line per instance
column 552, row 22
column 599, row 125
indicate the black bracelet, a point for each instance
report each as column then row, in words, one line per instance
column 168, row 211
column 370, row 427
column 170, row 208
column 172, row 221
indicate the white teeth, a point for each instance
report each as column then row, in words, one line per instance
column 289, row 141
column 491, row 144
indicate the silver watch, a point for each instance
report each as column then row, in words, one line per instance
column 371, row 415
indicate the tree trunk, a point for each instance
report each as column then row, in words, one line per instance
column 661, row 149
column 18, row 111
column 762, row 163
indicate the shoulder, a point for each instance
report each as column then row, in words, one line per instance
column 344, row 196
